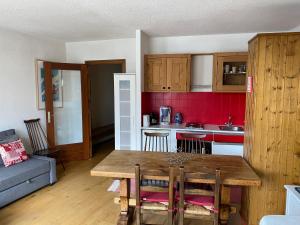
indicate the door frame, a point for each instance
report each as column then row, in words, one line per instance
column 121, row 62
column 74, row 151
column 108, row 61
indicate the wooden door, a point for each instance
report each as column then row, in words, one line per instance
column 178, row 74
column 232, row 81
column 155, row 79
column 68, row 123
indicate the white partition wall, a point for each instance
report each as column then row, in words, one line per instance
column 125, row 109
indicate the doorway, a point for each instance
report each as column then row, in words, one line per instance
column 101, row 78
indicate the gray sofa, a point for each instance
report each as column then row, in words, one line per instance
column 23, row 178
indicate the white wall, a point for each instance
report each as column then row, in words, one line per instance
column 200, row 44
column 296, row 29
column 142, row 48
column 17, row 77
column 79, row 52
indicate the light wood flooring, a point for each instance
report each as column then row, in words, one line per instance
column 76, row 199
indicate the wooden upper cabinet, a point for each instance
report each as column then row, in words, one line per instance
column 230, row 71
column 155, row 74
column 167, row 73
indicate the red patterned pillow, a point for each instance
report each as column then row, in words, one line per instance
column 13, row 153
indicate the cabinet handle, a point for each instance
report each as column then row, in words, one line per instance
column 164, row 87
column 49, row 117
column 169, row 88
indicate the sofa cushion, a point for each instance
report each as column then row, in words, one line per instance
column 21, row 172
column 13, row 153
column 6, row 137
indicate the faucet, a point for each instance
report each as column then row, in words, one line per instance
column 229, row 122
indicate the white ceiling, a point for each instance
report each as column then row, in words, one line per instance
column 79, row 20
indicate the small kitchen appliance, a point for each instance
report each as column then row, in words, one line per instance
column 178, row 118
column 146, row 120
column 153, row 118
column 164, row 115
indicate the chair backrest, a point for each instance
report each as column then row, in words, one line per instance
column 207, row 178
column 156, row 142
column 193, row 143
column 141, row 175
column 37, row 136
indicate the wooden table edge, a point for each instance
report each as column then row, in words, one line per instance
column 230, row 181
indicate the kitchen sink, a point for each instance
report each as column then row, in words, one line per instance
column 231, row 128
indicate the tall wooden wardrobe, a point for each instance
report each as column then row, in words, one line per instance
column 272, row 128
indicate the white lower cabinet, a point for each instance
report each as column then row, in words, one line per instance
column 227, row 149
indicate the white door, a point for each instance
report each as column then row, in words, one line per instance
column 124, row 85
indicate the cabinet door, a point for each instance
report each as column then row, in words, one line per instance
column 155, row 74
column 232, row 78
column 178, row 74
column 227, row 149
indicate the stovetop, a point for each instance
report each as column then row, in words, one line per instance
column 194, row 125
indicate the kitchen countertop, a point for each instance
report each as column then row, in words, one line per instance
column 208, row 128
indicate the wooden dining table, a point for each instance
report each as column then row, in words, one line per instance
column 120, row 164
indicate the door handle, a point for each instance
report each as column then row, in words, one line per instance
column 49, row 117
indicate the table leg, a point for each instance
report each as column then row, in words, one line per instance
column 227, row 207
column 225, row 201
column 126, row 213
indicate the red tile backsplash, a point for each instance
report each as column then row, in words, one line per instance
column 202, row 107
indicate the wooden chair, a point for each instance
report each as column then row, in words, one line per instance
column 158, row 200
column 193, row 143
column 156, row 142
column 39, row 141
column 203, row 205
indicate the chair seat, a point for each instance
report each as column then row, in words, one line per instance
column 206, row 202
column 196, row 210
column 160, row 197
column 154, row 206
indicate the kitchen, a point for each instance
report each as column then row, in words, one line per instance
column 229, row 97
column 199, row 101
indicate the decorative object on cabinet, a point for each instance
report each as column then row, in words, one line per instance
column 164, row 115
column 124, row 88
column 230, row 72
column 57, row 81
column 153, row 118
column 167, row 73
column 178, row 118
column 272, row 125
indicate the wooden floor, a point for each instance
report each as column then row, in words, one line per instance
column 76, row 199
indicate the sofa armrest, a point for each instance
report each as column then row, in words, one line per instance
column 52, row 162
